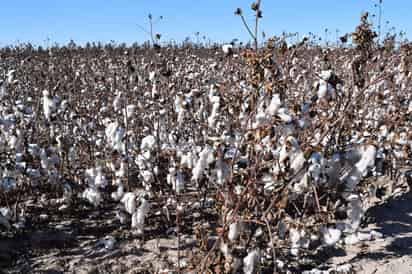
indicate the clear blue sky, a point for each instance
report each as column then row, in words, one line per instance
column 105, row 20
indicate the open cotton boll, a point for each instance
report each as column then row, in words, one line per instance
column 100, row 179
column 117, row 102
column 331, row 235
column 222, row 171
column 251, row 263
column 351, row 239
column 117, row 196
column 299, row 239
column 138, row 217
column 115, row 135
column 152, row 75
column 234, row 231
column 303, row 184
column 326, row 75
column 201, row 163
column 274, row 105
column 121, row 172
column 10, row 76
column 354, row 212
column 129, row 202
column 48, row 104
column 93, row 196
column 323, row 89
column 215, row 100
column 284, row 115
column 130, row 111
column 148, row 143
column 367, row 160
column 297, row 161
column 227, row 48
column 260, row 117
column 179, row 184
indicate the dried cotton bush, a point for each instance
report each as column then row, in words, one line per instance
column 272, row 154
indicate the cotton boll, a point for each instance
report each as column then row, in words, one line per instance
column 260, row 117
column 44, row 160
column 90, row 175
column 155, row 91
column 297, row 161
column 355, row 213
column 100, row 179
column 179, row 185
column 129, row 202
column 187, row 160
column 251, row 263
column 93, row 196
column 115, row 135
column 10, row 76
column 227, row 49
column 138, row 217
column 215, row 111
column 147, row 177
column 148, row 143
column 331, row 235
column 303, row 184
column 234, row 231
column 121, row 172
column 201, row 164
column 48, row 104
column 152, row 75
column 117, row 102
column 325, row 75
column 222, row 171
column 299, row 239
column 131, row 111
column 117, row 196
column 323, row 89
column 367, row 160
column 351, row 239
column 12, row 142
column 284, row 115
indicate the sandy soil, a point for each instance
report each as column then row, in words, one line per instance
column 78, row 245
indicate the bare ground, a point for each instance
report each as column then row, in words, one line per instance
column 77, row 245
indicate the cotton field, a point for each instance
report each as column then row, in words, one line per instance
column 199, row 160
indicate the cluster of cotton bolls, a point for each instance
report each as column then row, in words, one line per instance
column 298, row 156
